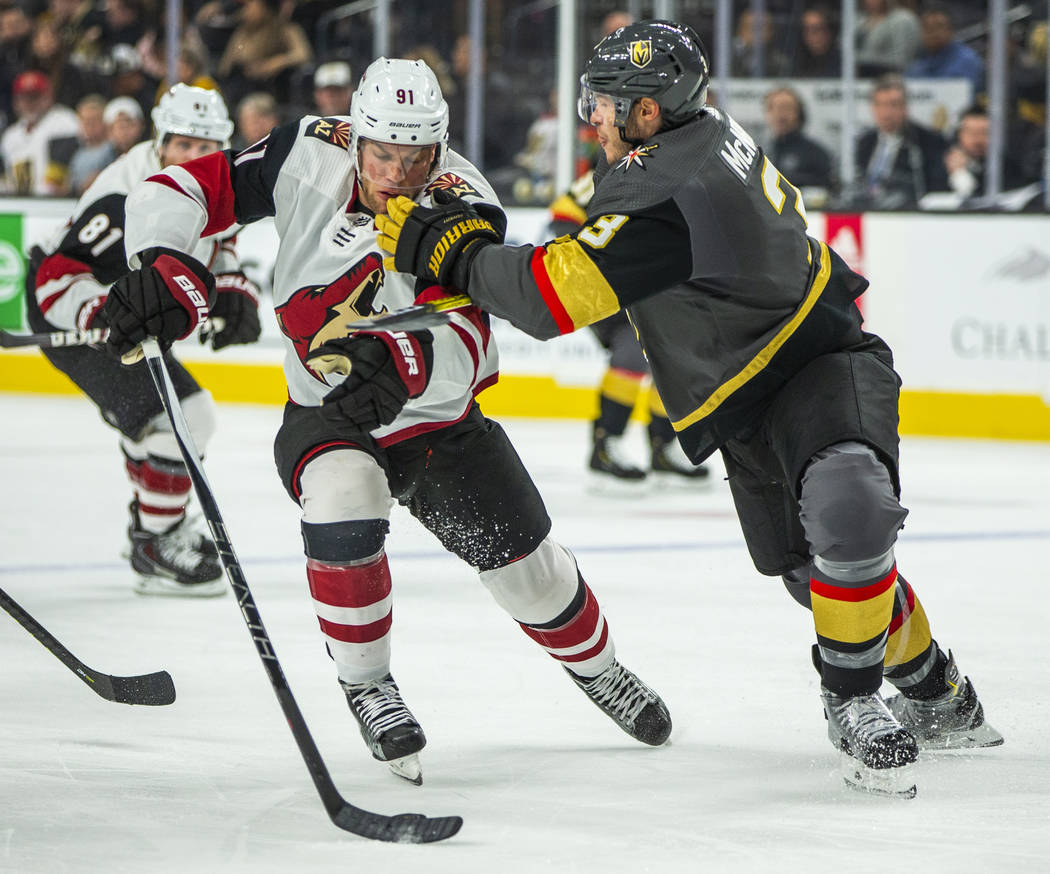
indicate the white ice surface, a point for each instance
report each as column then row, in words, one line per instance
column 749, row 782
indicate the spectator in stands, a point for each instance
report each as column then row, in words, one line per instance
column 191, row 65
column 79, row 24
column 257, row 115
column 942, row 55
column 126, row 23
column 36, row 148
column 262, row 53
column 767, row 61
column 48, row 54
column 818, row 55
column 965, row 160
column 125, row 125
column 96, row 152
column 507, row 110
column 898, row 161
column 333, row 88
column 129, row 78
column 887, row 37
column 802, row 161
column 15, row 32
column 614, row 21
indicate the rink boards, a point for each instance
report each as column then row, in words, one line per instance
column 964, row 300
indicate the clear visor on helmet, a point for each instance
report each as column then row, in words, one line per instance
column 590, row 100
column 395, row 167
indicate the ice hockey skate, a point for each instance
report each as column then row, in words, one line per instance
column 671, row 464
column 952, row 721
column 611, row 471
column 631, row 704
column 181, row 561
column 876, row 752
column 387, row 725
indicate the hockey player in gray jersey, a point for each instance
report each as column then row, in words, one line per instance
column 376, row 416
column 67, row 285
column 756, row 348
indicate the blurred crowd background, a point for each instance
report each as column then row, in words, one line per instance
column 78, row 79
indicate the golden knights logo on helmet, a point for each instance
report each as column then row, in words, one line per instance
column 641, row 52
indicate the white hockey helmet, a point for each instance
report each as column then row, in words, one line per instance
column 192, row 112
column 399, row 101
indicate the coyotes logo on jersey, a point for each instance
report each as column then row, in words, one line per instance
column 318, row 313
column 454, row 184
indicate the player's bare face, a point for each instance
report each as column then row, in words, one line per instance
column 603, row 117
column 179, row 149
column 385, row 171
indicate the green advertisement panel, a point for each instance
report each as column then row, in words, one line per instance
column 12, row 271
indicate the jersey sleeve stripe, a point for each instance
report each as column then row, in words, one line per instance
column 757, row 364
column 548, row 293
column 210, row 176
column 583, row 293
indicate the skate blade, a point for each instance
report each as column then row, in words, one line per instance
column 163, row 587
column 887, row 782
column 979, row 736
column 408, row 768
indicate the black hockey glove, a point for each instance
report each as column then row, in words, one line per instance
column 235, row 315
column 440, row 243
column 384, row 371
column 167, row 298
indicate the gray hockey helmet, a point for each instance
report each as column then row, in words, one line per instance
column 663, row 60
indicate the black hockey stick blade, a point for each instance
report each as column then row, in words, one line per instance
column 10, row 340
column 155, row 689
column 413, row 318
column 406, row 828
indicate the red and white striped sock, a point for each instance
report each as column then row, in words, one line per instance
column 162, row 490
column 354, row 609
column 583, row 643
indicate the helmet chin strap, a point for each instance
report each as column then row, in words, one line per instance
column 627, row 139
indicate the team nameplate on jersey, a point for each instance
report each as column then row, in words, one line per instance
column 453, row 184
column 641, row 52
column 332, row 131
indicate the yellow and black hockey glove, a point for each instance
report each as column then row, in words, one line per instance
column 439, row 243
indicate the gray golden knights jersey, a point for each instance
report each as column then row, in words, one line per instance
column 328, row 269
column 703, row 243
column 87, row 254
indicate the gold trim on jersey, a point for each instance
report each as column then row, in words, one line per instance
column 757, row 364
column 579, row 284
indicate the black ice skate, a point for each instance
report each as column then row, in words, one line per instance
column 952, row 721
column 610, row 469
column 670, row 458
column 631, row 704
column 387, row 725
column 181, row 561
column 876, row 751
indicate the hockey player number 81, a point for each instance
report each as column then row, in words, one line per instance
column 94, row 229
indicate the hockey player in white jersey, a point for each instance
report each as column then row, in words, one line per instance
column 403, row 424
column 67, row 286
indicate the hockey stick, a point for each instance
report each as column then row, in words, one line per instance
column 154, row 689
column 415, row 317
column 10, row 340
column 408, row 828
